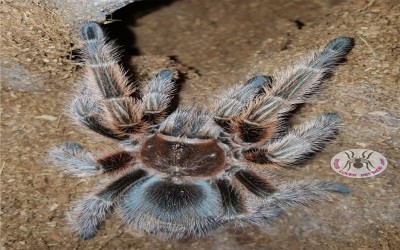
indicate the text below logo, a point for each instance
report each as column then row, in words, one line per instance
column 359, row 163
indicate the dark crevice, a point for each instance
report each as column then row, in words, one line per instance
column 299, row 24
column 127, row 16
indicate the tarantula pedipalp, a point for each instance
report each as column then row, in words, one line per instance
column 190, row 171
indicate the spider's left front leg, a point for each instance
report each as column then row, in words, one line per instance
column 90, row 211
column 104, row 80
column 72, row 158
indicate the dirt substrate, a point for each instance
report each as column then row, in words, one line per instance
column 213, row 44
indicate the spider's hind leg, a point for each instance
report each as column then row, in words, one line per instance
column 90, row 212
column 72, row 158
column 291, row 194
column 87, row 215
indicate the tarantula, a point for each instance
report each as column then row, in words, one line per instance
column 186, row 172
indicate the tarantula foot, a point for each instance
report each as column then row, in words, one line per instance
column 337, row 188
column 72, row 158
column 87, row 215
column 343, row 44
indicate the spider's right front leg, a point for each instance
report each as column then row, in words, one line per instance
column 76, row 160
column 90, row 211
column 235, row 100
column 264, row 118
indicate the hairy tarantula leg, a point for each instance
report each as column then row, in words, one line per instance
column 291, row 194
column 157, row 95
column 87, row 215
column 124, row 116
column 304, row 192
column 87, row 111
column 255, row 184
column 115, row 161
column 105, row 80
column 233, row 101
column 110, row 108
column 262, row 118
column 90, row 212
column 298, row 145
column 261, row 214
column 101, row 61
column 76, row 160
column 231, row 198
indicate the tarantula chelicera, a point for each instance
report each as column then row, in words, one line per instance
column 185, row 172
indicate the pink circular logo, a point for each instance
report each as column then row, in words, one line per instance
column 359, row 163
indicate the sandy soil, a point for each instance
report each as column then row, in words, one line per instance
column 213, row 44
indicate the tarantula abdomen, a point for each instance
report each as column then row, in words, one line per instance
column 187, row 209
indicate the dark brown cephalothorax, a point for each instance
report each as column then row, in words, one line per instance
column 177, row 156
column 186, row 172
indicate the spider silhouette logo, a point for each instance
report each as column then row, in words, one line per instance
column 359, row 163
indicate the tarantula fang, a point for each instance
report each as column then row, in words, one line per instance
column 187, row 172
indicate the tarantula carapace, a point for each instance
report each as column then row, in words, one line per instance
column 186, row 172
